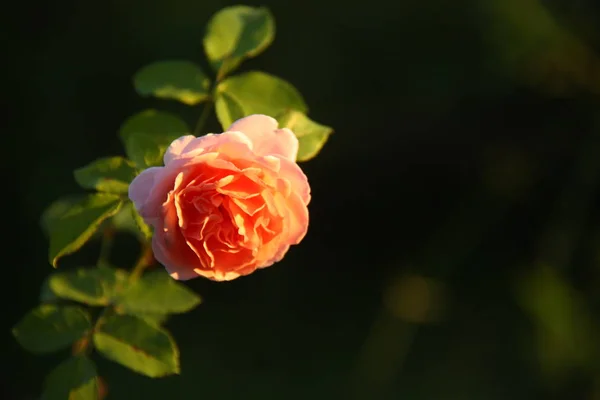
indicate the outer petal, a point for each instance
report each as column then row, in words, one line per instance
column 141, row 187
column 176, row 148
column 213, row 141
column 170, row 248
column 191, row 146
column 297, row 219
column 266, row 138
column 294, row 174
column 179, row 268
column 277, row 257
column 164, row 182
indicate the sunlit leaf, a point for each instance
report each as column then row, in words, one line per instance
column 137, row 344
column 235, row 33
column 148, row 134
column 156, row 292
column 255, row 93
column 50, row 327
column 228, row 110
column 173, row 79
column 311, row 135
column 73, row 379
column 144, row 229
column 129, row 220
column 72, row 229
column 93, row 286
column 110, row 174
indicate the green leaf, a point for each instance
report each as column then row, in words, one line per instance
column 235, row 33
column 311, row 135
column 173, row 79
column 138, row 345
column 151, row 318
column 54, row 211
column 255, row 93
column 156, row 319
column 49, row 328
column 46, row 294
column 73, row 228
column 74, row 379
column 148, row 134
column 129, row 220
column 156, row 292
column 93, row 286
column 110, row 174
column 228, row 110
column 145, row 229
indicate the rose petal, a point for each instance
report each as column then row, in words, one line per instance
column 190, row 146
column 248, row 177
column 176, row 148
column 277, row 257
column 165, row 181
column 266, row 138
column 212, row 141
column 298, row 180
column 297, row 219
column 141, row 186
column 178, row 259
column 218, row 276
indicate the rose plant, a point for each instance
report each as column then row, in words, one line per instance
column 217, row 206
column 224, row 205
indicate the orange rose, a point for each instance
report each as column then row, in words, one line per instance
column 225, row 204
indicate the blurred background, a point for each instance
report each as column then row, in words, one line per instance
column 454, row 247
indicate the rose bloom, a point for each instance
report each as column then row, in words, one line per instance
column 225, row 204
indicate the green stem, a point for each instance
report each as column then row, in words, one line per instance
column 203, row 117
column 106, row 245
column 145, row 260
column 83, row 346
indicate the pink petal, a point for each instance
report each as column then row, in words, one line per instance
column 294, row 174
column 178, row 269
column 164, row 182
column 141, row 186
column 176, row 148
column 266, row 138
column 191, row 146
column 297, row 220
column 211, row 141
column 171, row 250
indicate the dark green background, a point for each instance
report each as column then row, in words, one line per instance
column 466, row 150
